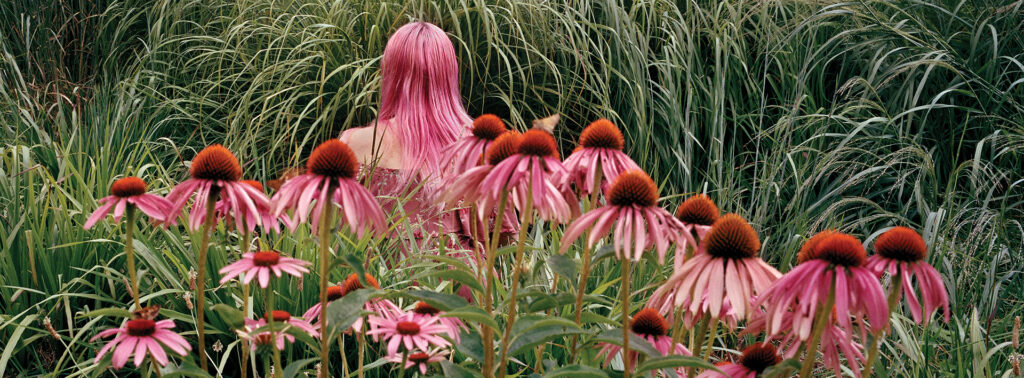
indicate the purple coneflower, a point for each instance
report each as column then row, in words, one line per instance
column 697, row 214
column 467, row 152
column 452, row 324
column 755, row 360
column 263, row 338
column 261, row 265
column 408, row 330
column 420, row 360
column 377, row 306
column 600, row 148
column 901, row 252
column 129, row 192
column 333, row 293
column 139, row 337
column 649, row 325
column 529, row 173
column 215, row 171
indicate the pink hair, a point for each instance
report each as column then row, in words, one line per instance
column 420, row 95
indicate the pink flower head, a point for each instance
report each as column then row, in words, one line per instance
column 333, row 293
column 601, row 145
column 697, row 214
column 725, row 271
column 420, row 359
column 468, row 151
column 829, row 262
column 755, row 360
column 453, row 325
column 530, row 171
column 836, row 343
column 408, row 330
column 377, row 306
column 262, row 264
column 129, row 191
column 901, row 252
column 466, row 187
column 639, row 222
column 215, row 171
column 652, row 327
column 139, row 337
column 267, row 220
column 282, row 321
column 330, row 171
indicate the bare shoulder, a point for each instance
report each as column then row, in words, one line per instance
column 370, row 143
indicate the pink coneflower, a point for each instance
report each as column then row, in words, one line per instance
column 830, row 278
column 755, row 360
column 649, row 325
column 378, row 306
column 261, row 265
column 406, row 329
column 452, row 324
column 639, row 223
column 129, row 191
column 600, row 147
column 466, row 186
column 330, row 171
column 467, row 152
column 901, row 252
column 139, row 337
column 726, row 272
column 697, row 214
column 333, row 294
column 215, row 171
column 282, row 319
column 529, row 172
column 267, row 219
column 420, row 359
column 835, row 345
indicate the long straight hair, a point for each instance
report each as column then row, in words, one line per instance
column 420, row 96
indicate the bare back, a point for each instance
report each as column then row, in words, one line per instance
column 383, row 149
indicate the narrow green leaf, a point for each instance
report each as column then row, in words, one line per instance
column 109, row 311
column 293, row 368
column 472, row 314
column 637, row 343
column 673, row 361
column 443, row 302
column 574, row 371
column 471, row 345
column 455, row 371
column 460, row 276
column 563, row 265
column 343, row 312
column 231, row 316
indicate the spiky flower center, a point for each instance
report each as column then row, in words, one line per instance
column 488, row 127
column 278, row 316
column 407, row 328
column 807, row 250
column 698, row 209
column 419, row 357
column 128, row 186
column 333, row 158
column 839, row 249
column 538, row 143
column 633, row 188
column 901, row 243
column 333, row 293
column 352, row 283
column 505, row 145
column 423, row 308
column 263, row 339
column 602, row 134
column 253, row 183
column 732, row 237
column 759, row 357
column 265, row 258
column 141, row 327
column 648, row 322
column 216, row 163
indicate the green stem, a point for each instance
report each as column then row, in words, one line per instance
column 362, row 347
column 273, row 332
column 204, row 246
column 129, row 251
column 677, row 328
column 876, row 339
column 488, row 333
column 585, row 272
column 243, row 249
column 516, row 273
column 325, row 238
column 820, row 322
column 626, row 363
column 699, row 333
column 711, row 340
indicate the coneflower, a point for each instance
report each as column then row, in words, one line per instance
column 830, row 278
column 468, row 151
column 126, row 194
column 215, row 174
column 754, row 360
column 639, row 223
column 649, row 325
column 381, row 307
column 329, row 179
column 697, row 214
column 452, row 324
column 597, row 161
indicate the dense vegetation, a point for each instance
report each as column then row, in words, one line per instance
column 799, row 115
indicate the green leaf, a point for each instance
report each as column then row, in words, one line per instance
column 576, row 371
column 188, row 368
column 673, row 361
column 472, row 314
column 783, row 369
column 541, row 330
column 563, row 265
column 231, row 316
column 547, row 302
column 293, row 368
column 471, row 345
column 343, row 312
column 590, row 317
column 601, row 253
column 353, row 261
column 460, row 276
column 109, row 311
column 443, row 302
column 637, row 343
column 455, row 371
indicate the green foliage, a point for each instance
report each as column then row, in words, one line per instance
column 799, row 115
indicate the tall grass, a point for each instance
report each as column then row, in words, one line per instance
column 799, row 115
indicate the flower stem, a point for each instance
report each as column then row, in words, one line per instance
column 713, row 325
column 626, row 357
column 243, row 249
column 585, row 272
column 517, row 270
column 273, row 332
column 876, row 339
column 820, row 322
column 325, row 238
column 362, row 347
column 488, row 333
column 204, row 246
column 129, row 252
